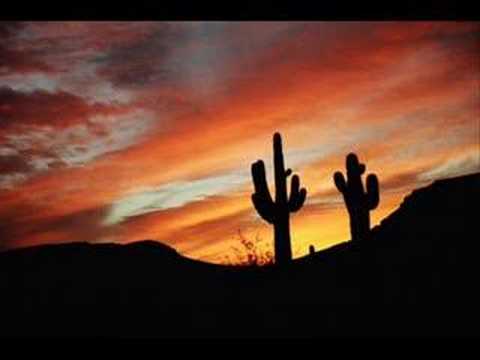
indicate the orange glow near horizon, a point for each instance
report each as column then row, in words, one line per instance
column 119, row 132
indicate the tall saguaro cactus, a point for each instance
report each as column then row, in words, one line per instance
column 277, row 212
column 359, row 202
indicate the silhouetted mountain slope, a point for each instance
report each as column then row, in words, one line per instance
column 418, row 275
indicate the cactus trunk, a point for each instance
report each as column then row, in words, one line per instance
column 359, row 223
column 282, row 241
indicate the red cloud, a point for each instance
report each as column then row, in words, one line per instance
column 60, row 109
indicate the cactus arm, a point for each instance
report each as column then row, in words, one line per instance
column 361, row 168
column 294, row 187
column 260, row 180
column 298, row 202
column 372, row 194
column 340, row 182
column 297, row 195
column 261, row 198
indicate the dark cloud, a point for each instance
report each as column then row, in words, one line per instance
column 14, row 60
column 140, row 63
column 18, row 223
column 17, row 165
column 42, row 131
column 182, row 54
column 59, row 109
column 13, row 164
column 9, row 29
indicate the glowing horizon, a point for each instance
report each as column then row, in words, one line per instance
column 125, row 131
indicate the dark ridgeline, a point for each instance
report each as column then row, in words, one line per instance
column 277, row 212
column 358, row 201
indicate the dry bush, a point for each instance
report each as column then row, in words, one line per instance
column 250, row 253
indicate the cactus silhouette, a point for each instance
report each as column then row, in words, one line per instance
column 277, row 212
column 311, row 249
column 358, row 201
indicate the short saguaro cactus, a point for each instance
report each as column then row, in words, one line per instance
column 359, row 201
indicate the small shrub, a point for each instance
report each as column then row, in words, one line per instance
column 250, row 253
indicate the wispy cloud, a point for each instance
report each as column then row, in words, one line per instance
column 464, row 164
column 172, row 195
column 48, row 148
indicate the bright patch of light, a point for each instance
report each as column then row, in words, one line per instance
column 172, row 195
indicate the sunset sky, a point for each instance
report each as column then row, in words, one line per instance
column 119, row 132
